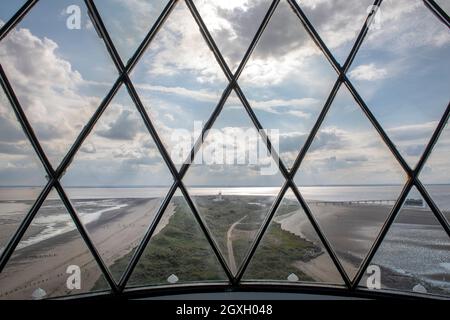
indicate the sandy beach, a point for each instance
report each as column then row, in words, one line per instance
column 43, row 265
column 350, row 228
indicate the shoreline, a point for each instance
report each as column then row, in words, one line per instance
column 350, row 228
column 44, row 264
column 344, row 231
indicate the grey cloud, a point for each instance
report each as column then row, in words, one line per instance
column 48, row 131
column 292, row 142
column 9, row 132
column 88, row 148
column 29, row 176
column 408, row 134
column 283, row 29
column 356, row 159
column 334, row 163
column 414, row 150
column 329, row 140
column 142, row 161
column 14, row 149
column 123, row 128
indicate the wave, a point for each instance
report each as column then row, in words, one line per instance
column 57, row 224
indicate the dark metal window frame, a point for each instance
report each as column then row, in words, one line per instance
column 119, row 289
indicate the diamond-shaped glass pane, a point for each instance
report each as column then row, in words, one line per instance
column 291, row 250
column 436, row 173
column 415, row 254
column 445, row 5
column 338, row 22
column 402, row 72
column 45, row 58
column 233, row 24
column 22, row 177
column 179, row 82
column 178, row 251
column 51, row 259
column 128, row 22
column 287, row 81
column 8, row 9
column 233, row 181
column 350, row 180
column 118, row 180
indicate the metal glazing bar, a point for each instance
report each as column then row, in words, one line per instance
column 24, row 123
column 388, row 142
column 17, row 236
column 438, row 12
column 84, row 234
column 264, row 226
column 208, row 236
column 16, row 18
column 289, row 176
column 314, row 35
column 381, row 235
column 433, row 207
column 321, row 235
column 434, row 139
column 361, row 36
column 149, row 125
column 148, row 235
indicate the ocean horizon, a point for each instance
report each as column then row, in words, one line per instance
column 440, row 192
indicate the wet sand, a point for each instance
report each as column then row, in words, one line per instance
column 43, row 265
column 351, row 230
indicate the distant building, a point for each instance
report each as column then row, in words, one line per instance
column 219, row 197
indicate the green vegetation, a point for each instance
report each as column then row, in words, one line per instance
column 219, row 216
column 278, row 251
column 182, row 249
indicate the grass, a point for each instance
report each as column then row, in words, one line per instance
column 219, row 216
column 182, row 249
column 277, row 252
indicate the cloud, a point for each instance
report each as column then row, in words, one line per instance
column 412, row 132
column 48, row 88
column 122, row 128
column 129, row 21
column 179, row 48
column 405, row 25
column 299, row 107
column 329, row 139
column 368, row 72
column 88, row 148
column 9, row 130
column 200, row 95
column 232, row 24
column 291, row 141
column 14, row 148
column 414, row 150
column 277, row 105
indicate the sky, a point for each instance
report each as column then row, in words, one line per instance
column 60, row 77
